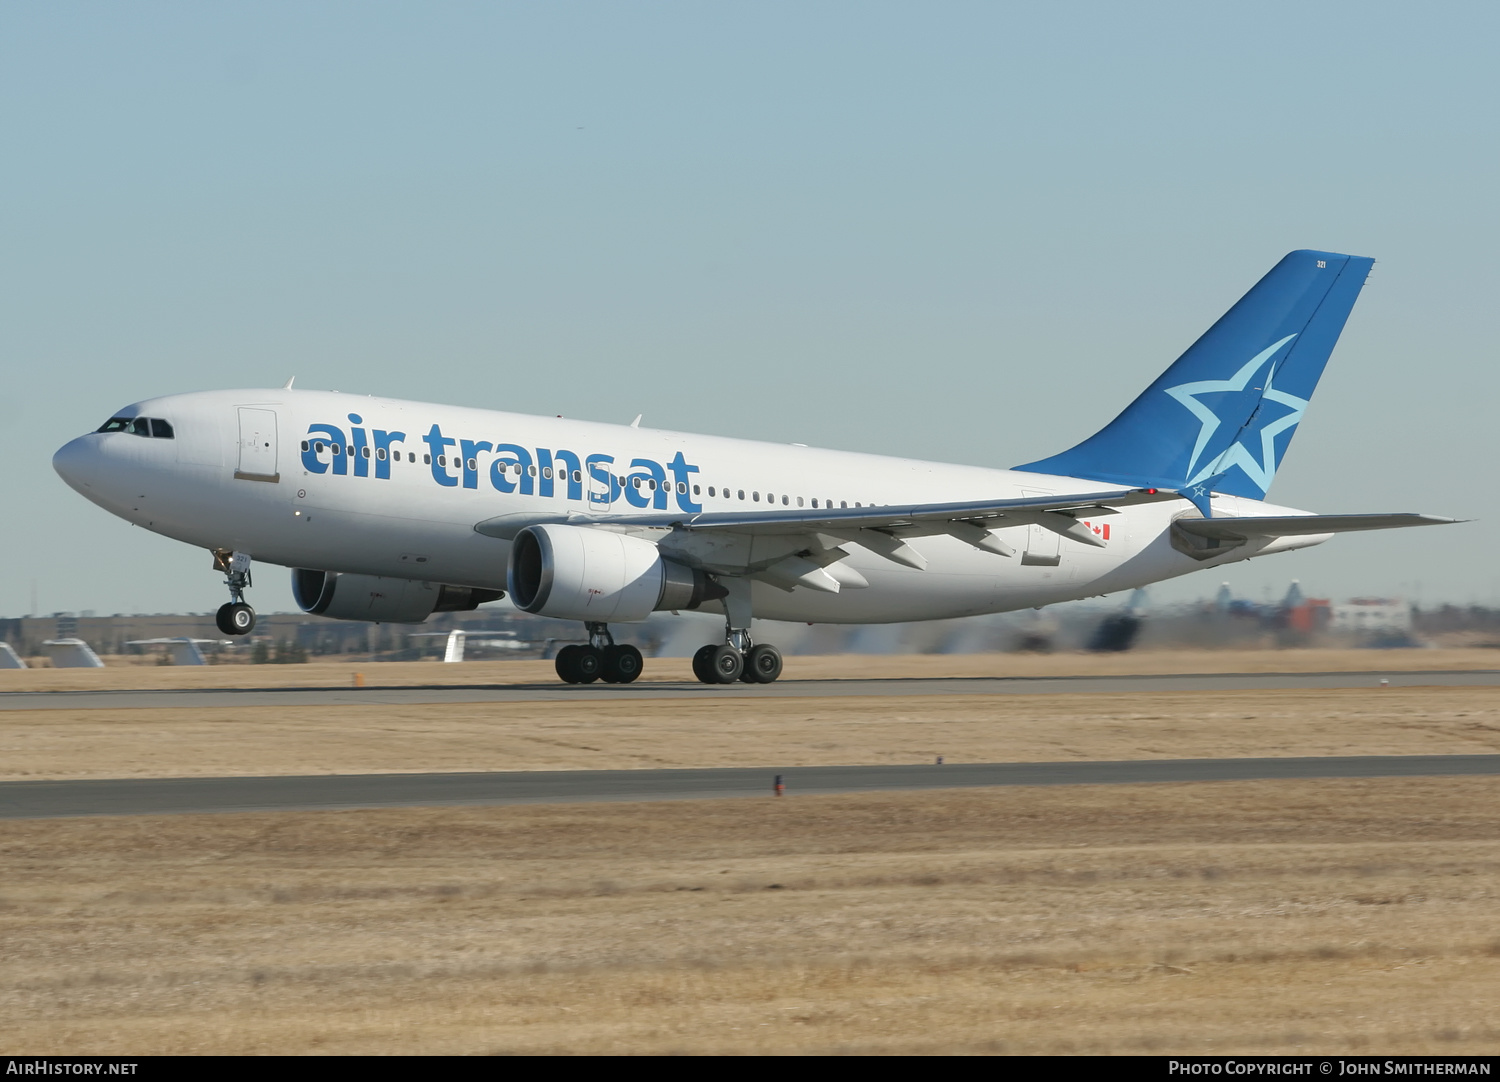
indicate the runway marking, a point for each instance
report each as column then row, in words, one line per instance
column 974, row 685
column 154, row 796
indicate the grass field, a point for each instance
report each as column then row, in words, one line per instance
column 1353, row 916
column 1256, row 917
column 633, row 733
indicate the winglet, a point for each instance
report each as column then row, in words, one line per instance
column 637, row 422
column 287, row 386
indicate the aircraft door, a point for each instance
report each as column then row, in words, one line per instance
column 257, row 459
column 1042, row 544
column 602, row 485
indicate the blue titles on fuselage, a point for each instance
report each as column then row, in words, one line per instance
column 509, row 467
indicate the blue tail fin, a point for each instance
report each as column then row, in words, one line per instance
column 1225, row 411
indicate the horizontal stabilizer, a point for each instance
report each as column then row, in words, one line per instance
column 1243, row 529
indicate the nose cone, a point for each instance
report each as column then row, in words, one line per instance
column 76, row 462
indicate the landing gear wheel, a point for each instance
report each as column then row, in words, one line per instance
column 726, row 664
column 563, row 663
column 622, row 664
column 235, row 618
column 762, row 664
column 588, row 664
column 703, row 666
column 579, row 664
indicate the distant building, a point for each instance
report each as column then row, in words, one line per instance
column 1372, row 614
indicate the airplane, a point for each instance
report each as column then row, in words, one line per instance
column 391, row 510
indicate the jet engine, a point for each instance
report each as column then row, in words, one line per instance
column 575, row 573
column 382, row 600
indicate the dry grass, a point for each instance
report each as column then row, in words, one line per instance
column 1256, row 917
column 629, row 733
column 840, row 667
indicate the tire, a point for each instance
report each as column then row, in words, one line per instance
column 221, row 619
column 622, row 664
column 588, row 664
column 239, row 618
column 567, row 671
column 703, row 664
column 726, row 664
column 763, row 664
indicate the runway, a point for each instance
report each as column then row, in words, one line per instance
column 503, row 693
column 151, row 796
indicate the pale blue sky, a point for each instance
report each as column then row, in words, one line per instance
column 966, row 232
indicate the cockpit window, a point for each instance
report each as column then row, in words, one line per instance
column 153, row 427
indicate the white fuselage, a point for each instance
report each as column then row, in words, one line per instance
column 254, row 471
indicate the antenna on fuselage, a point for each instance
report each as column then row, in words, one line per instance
column 287, row 386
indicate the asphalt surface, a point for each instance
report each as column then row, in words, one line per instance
column 503, row 693
column 147, row 796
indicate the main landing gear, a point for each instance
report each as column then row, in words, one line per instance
column 235, row 617
column 601, row 659
column 737, row 659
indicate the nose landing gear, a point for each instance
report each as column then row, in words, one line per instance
column 602, row 659
column 235, row 617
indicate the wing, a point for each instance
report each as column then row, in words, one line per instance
column 789, row 547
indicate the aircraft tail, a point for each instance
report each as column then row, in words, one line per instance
column 1222, row 415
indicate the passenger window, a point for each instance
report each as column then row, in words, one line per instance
column 799, row 501
column 698, row 492
column 784, row 501
column 472, row 465
column 742, row 494
column 682, row 488
column 364, row 452
column 843, row 503
column 531, row 470
column 442, row 460
column 304, row 445
column 755, row 496
column 317, row 447
column 380, row 453
column 711, row 490
column 815, row 501
column 427, row 460
column 160, row 429
column 577, row 477
column 547, row 472
column 412, row 457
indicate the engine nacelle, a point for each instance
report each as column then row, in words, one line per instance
column 380, row 599
column 576, row 573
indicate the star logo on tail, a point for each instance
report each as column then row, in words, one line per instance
column 1258, row 460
